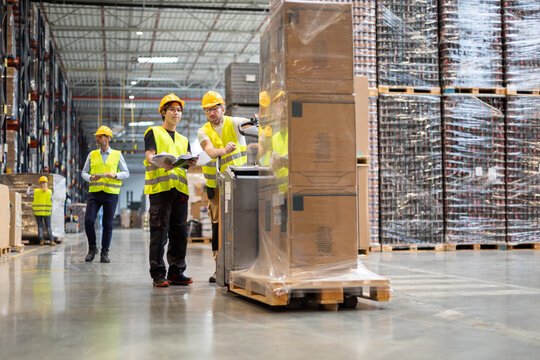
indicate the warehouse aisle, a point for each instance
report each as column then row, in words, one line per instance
column 446, row 305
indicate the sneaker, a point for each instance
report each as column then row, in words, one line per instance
column 180, row 279
column 212, row 279
column 161, row 282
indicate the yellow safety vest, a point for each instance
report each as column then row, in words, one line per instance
column 280, row 145
column 157, row 179
column 108, row 185
column 238, row 157
column 42, row 204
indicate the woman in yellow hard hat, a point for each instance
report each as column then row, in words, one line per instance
column 104, row 170
column 42, row 208
column 168, row 192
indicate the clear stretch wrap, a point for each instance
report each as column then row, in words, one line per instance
column 373, row 181
column 407, row 53
column 474, row 169
column 471, row 43
column 365, row 40
column 523, row 168
column 307, row 194
column 522, row 50
column 410, row 154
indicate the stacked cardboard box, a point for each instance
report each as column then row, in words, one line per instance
column 411, row 202
column 471, row 43
column 15, row 226
column 4, row 218
column 474, row 156
column 242, row 84
column 407, row 53
column 12, row 153
column 308, row 201
column 523, row 166
column 522, row 48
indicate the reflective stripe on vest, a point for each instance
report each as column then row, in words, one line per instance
column 42, row 204
column 108, row 185
column 238, row 157
column 157, row 179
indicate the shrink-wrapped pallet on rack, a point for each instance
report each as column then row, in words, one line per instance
column 407, row 54
column 474, row 155
column 471, row 44
column 365, row 39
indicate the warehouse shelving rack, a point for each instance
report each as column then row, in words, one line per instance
column 3, row 65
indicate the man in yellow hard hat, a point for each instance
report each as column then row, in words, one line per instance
column 168, row 192
column 219, row 138
column 104, row 170
column 42, row 208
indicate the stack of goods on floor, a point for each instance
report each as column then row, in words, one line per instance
column 523, row 166
column 373, row 182
column 407, row 54
column 474, row 158
column 57, row 183
column 410, row 169
column 307, row 201
column 242, row 96
column 471, row 44
column 522, row 47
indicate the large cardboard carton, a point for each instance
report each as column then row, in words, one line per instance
column 363, row 207
column 308, row 228
column 313, row 139
column 361, row 96
column 15, row 225
column 308, row 48
column 4, row 216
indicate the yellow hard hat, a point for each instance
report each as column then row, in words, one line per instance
column 104, row 130
column 267, row 131
column 264, row 99
column 170, row 98
column 212, row 98
column 43, row 179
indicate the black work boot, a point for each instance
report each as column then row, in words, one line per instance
column 105, row 257
column 92, row 251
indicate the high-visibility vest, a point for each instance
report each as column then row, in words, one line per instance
column 238, row 157
column 108, row 185
column 158, row 179
column 42, row 204
column 280, row 145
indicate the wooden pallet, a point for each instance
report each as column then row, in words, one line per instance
column 271, row 292
column 523, row 246
column 492, row 246
column 17, row 248
column 408, row 90
column 363, row 251
column 522, row 92
column 203, row 240
column 373, row 92
column 5, row 251
column 474, row 91
column 412, row 247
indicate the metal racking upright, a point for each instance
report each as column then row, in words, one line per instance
column 3, row 71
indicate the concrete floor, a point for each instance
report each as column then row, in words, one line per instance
column 446, row 305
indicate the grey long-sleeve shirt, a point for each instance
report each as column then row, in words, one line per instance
column 122, row 166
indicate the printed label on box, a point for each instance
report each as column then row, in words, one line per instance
column 479, row 171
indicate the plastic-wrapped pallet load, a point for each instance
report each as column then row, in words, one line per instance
column 407, row 53
column 57, row 183
column 471, row 43
column 474, row 154
column 523, row 168
column 242, row 84
column 373, row 181
column 308, row 196
column 410, row 154
column 522, row 45
column 365, row 39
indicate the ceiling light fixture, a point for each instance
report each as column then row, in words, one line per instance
column 139, row 33
column 133, row 82
column 141, row 123
column 131, row 97
column 157, row 60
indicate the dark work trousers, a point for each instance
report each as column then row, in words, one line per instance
column 41, row 220
column 95, row 201
column 168, row 215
